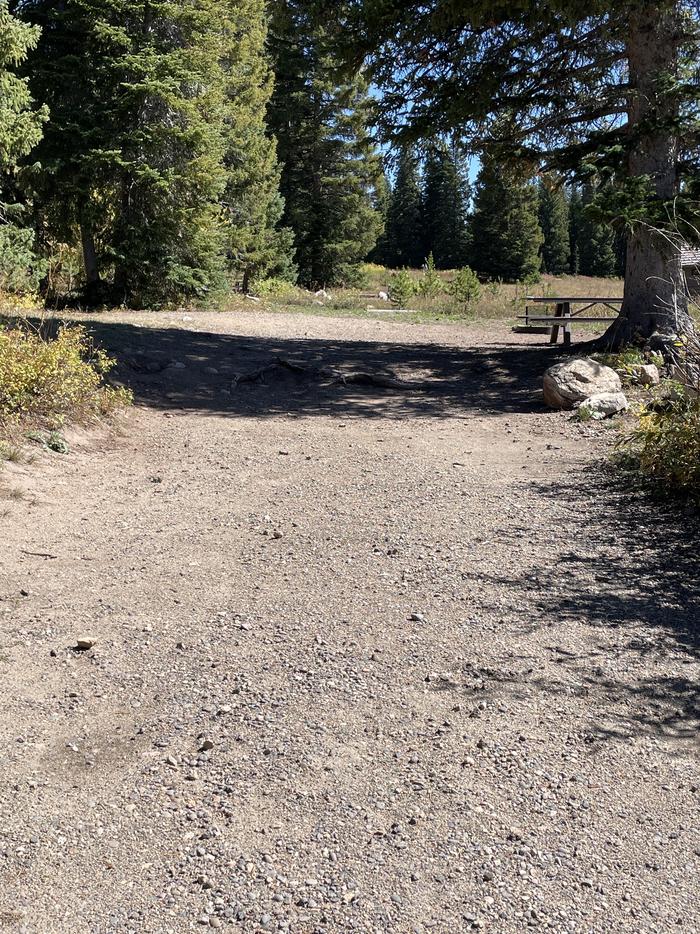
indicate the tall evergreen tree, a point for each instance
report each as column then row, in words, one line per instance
column 404, row 235
column 575, row 221
column 74, row 191
column 257, row 244
column 330, row 169
column 168, row 236
column 554, row 221
column 20, row 131
column 596, row 241
column 382, row 197
column 133, row 156
column 445, row 198
column 20, row 122
column 506, row 235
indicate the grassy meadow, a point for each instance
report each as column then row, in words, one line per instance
column 496, row 300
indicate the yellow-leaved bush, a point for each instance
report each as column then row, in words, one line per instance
column 665, row 446
column 54, row 380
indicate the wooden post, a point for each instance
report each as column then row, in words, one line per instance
column 567, row 326
column 558, row 313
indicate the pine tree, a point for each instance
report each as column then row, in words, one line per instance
column 20, row 131
column 133, row 155
column 596, row 243
column 382, row 198
column 506, row 235
column 171, row 150
column 554, row 221
column 20, row 123
column 71, row 186
column 404, row 236
column 445, row 197
column 433, row 183
column 575, row 221
column 257, row 244
column 330, row 169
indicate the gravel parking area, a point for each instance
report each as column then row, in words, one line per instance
column 361, row 659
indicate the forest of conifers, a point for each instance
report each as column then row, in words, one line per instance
column 161, row 152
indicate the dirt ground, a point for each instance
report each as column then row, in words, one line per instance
column 364, row 659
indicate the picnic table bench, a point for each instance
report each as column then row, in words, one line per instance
column 565, row 312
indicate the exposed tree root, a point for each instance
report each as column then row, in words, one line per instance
column 330, row 375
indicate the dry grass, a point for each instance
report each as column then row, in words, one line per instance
column 12, row 453
column 497, row 301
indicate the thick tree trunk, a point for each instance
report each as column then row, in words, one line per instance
column 655, row 298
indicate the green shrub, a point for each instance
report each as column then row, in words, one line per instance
column 465, row 287
column 352, row 276
column 532, row 278
column 665, row 445
column 273, row 288
column 20, row 269
column 54, row 380
column 401, row 288
column 623, row 359
column 56, row 442
column 430, row 284
column 627, row 360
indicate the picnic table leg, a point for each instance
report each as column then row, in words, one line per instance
column 567, row 326
column 558, row 313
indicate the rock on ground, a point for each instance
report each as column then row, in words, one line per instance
column 570, row 382
column 646, row 374
column 603, row 405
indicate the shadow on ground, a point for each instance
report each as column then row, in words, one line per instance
column 173, row 368
column 650, row 594
column 627, row 568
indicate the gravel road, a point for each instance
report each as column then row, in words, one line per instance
column 364, row 659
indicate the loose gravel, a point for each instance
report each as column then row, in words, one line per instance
column 310, row 658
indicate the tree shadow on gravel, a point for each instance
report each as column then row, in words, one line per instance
column 649, row 598
column 622, row 586
column 179, row 368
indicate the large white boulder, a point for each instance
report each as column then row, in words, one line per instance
column 568, row 383
column 603, row 405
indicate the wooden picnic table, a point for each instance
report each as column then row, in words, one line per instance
column 565, row 312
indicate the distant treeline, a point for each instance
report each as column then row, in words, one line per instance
column 156, row 152
column 507, row 228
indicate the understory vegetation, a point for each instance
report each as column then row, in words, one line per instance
column 663, row 447
column 421, row 295
column 47, row 381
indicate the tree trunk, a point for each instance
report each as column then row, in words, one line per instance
column 92, row 294
column 655, row 297
column 120, row 287
column 92, row 269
